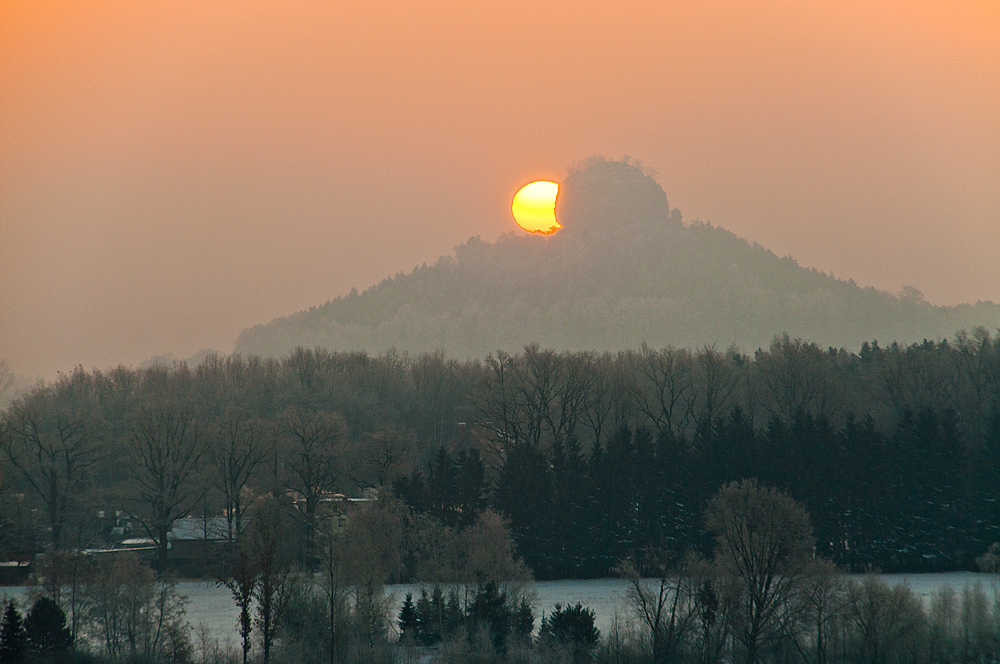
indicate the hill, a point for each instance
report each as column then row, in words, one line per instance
column 624, row 270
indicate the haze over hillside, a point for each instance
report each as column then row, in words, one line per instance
column 624, row 270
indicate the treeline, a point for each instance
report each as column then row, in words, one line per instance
column 894, row 450
column 761, row 595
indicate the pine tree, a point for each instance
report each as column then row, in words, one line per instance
column 572, row 625
column 453, row 614
column 13, row 640
column 437, row 612
column 408, row 620
column 524, row 620
column 45, row 627
column 425, row 620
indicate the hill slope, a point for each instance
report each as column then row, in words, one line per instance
column 624, row 270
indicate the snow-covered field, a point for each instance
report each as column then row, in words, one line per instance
column 212, row 606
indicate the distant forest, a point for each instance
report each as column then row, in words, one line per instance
column 894, row 450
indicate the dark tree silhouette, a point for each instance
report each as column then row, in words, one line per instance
column 166, row 447
column 764, row 543
column 45, row 627
column 13, row 640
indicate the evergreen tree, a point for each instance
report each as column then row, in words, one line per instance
column 441, row 488
column 614, row 523
column 570, row 508
column 13, row 640
column 523, row 619
column 471, row 488
column 437, row 611
column 453, row 614
column 45, row 627
column 426, row 633
column 489, row 609
column 408, row 620
column 570, row 625
column 523, row 494
column 412, row 490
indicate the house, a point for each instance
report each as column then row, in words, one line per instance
column 198, row 529
column 198, row 545
column 14, row 572
column 337, row 510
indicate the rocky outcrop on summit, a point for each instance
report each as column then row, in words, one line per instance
column 612, row 197
column 624, row 270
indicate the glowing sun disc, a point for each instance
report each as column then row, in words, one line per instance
column 534, row 207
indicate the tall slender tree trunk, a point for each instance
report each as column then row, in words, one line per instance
column 55, row 519
column 266, row 631
column 162, row 553
column 333, row 625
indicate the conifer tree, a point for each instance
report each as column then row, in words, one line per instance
column 45, row 627
column 572, row 627
column 13, row 641
column 407, row 619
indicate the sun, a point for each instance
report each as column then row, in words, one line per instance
column 534, row 207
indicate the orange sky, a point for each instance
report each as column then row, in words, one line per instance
column 173, row 172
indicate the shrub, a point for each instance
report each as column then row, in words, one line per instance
column 133, row 617
column 888, row 622
column 989, row 562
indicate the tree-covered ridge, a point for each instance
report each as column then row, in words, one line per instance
column 624, row 271
column 592, row 457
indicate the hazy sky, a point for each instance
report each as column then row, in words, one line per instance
column 172, row 172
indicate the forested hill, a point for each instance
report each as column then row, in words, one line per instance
column 624, row 270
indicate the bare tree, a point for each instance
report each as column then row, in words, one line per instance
column 764, row 544
column 715, row 382
column 132, row 616
column 714, row 601
column 63, row 576
column 487, row 555
column 536, row 396
column 598, row 404
column 272, row 558
column 538, row 375
column 241, row 580
column 8, row 383
column 432, row 375
column 498, row 402
column 575, row 391
column 666, row 605
column 372, row 550
column 165, row 447
column 666, row 379
column 381, row 457
column 824, row 593
column 883, row 617
column 51, row 445
column 241, row 445
column 314, row 450
column 794, row 375
column 333, row 580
